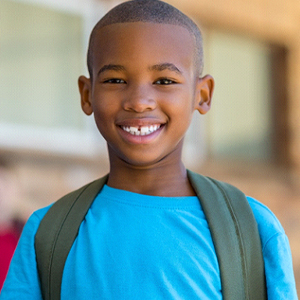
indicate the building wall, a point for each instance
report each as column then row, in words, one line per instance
column 276, row 22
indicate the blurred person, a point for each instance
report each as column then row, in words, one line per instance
column 10, row 224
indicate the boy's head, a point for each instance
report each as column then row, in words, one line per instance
column 152, row 11
column 145, row 60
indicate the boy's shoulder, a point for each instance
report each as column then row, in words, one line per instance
column 264, row 216
column 37, row 216
column 268, row 224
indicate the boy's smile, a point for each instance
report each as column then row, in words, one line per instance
column 141, row 130
column 144, row 90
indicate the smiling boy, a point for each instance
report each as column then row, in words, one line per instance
column 143, row 95
column 146, row 236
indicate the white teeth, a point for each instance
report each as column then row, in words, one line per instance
column 133, row 129
column 141, row 130
column 144, row 130
column 126, row 129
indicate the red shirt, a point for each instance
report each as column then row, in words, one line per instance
column 8, row 242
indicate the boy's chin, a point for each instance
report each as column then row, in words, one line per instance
column 140, row 163
column 146, row 159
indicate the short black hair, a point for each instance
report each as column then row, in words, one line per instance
column 152, row 11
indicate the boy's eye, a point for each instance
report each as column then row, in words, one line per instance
column 114, row 81
column 164, row 81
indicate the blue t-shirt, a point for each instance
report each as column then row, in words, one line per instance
column 133, row 246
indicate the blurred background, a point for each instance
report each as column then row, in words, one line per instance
column 250, row 138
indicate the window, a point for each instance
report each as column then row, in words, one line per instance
column 240, row 120
column 239, row 124
column 43, row 51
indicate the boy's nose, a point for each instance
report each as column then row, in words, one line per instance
column 139, row 99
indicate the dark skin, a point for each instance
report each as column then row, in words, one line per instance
column 143, row 96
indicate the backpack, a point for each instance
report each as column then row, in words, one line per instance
column 230, row 219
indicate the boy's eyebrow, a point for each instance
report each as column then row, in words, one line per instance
column 165, row 66
column 111, row 67
column 157, row 67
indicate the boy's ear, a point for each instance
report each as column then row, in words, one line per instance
column 84, row 85
column 204, row 90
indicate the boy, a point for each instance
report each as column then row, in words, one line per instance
column 145, row 235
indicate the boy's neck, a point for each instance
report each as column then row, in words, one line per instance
column 162, row 180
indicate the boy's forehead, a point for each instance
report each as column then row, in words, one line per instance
column 163, row 35
column 148, row 42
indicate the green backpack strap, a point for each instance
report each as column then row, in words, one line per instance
column 235, row 236
column 57, row 232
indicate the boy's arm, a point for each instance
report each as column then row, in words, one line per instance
column 279, row 268
column 22, row 281
column 280, row 278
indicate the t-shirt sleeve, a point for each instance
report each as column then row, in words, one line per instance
column 277, row 255
column 279, row 269
column 22, row 281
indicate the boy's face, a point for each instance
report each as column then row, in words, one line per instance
column 144, row 90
